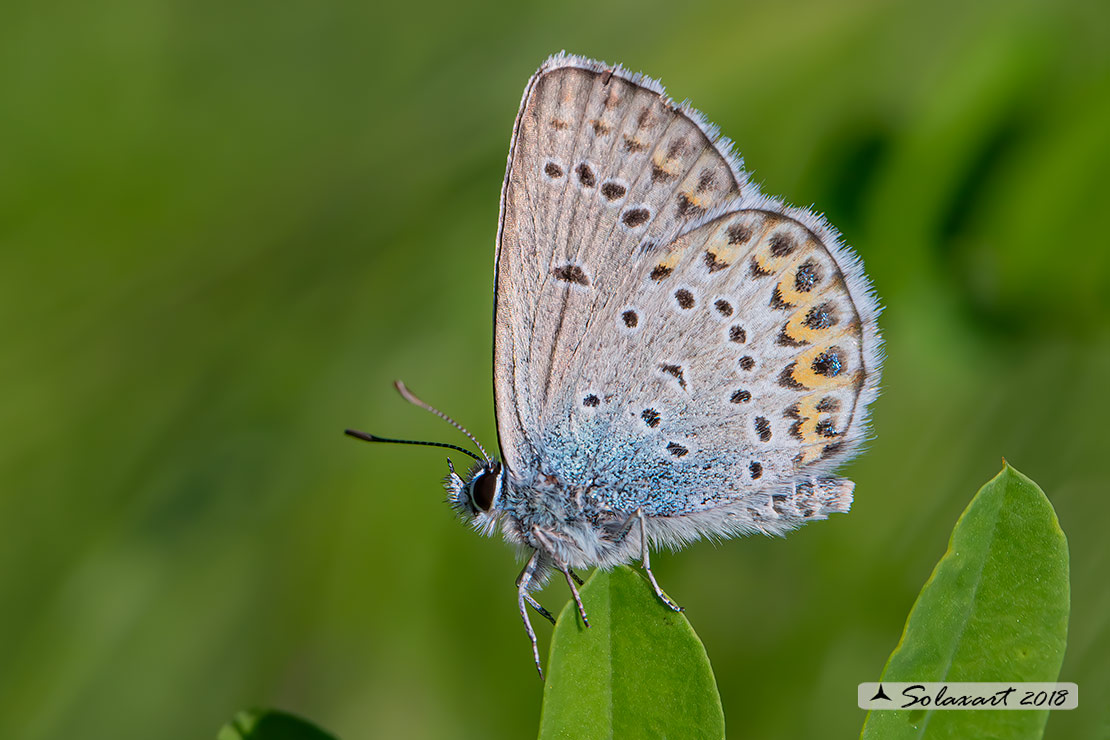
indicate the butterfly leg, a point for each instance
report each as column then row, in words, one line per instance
column 574, row 590
column 570, row 576
column 539, row 608
column 524, row 600
column 645, row 554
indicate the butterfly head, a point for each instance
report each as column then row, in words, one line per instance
column 476, row 498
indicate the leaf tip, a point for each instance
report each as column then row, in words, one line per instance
column 270, row 724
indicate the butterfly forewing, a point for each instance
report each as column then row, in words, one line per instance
column 601, row 165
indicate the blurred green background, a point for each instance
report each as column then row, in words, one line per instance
column 225, row 228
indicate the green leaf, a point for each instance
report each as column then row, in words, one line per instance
column 268, row 724
column 639, row 670
column 995, row 609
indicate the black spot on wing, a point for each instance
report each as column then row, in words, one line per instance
column 757, row 271
column 676, row 372
column 777, row 300
column 633, row 145
column 786, row 378
column 571, row 274
column 807, row 276
column 705, row 180
column 613, row 190
column 586, row 175
column 714, row 264
column 821, row 317
column 785, row 340
column 658, row 174
column 782, row 244
column 739, row 233
column 687, row 208
column 635, row 217
column 829, row 363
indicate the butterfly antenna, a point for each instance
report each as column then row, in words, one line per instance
column 374, row 438
column 408, row 396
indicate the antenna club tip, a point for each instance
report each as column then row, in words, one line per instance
column 410, row 396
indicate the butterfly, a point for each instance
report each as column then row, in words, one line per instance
column 676, row 354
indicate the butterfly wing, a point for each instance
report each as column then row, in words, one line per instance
column 667, row 338
column 733, row 369
column 601, row 163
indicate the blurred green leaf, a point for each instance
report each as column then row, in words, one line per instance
column 995, row 609
column 639, row 670
column 268, row 724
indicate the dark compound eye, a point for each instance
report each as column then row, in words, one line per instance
column 484, row 488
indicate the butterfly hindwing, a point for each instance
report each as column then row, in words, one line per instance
column 732, row 366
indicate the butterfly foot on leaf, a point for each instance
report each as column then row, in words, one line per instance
column 663, row 597
column 658, row 591
column 571, row 578
column 645, row 560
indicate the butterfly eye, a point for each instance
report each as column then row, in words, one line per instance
column 483, row 489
